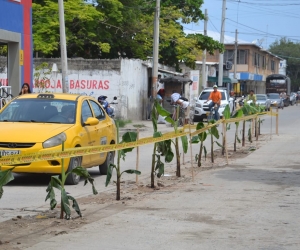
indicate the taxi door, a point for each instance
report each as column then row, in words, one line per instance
column 103, row 132
column 88, row 133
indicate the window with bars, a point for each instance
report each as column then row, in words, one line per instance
column 242, row 56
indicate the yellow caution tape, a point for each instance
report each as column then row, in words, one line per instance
column 72, row 152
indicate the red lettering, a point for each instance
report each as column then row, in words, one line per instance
column 77, row 84
column 71, row 84
column 83, row 84
column 100, row 86
column 106, row 84
column 58, row 84
column 94, row 84
column 89, row 84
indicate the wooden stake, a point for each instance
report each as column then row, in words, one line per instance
column 271, row 123
column 225, row 139
column 256, row 129
column 277, row 122
column 137, row 156
column 191, row 153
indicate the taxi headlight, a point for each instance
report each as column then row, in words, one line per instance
column 55, row 140
column 198, row 105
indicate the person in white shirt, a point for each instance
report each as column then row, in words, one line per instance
column 176, row 99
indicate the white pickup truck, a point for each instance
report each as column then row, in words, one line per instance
column 201, row 108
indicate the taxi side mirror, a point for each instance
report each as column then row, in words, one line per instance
column 91, row 121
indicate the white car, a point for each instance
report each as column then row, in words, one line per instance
column 201, row 108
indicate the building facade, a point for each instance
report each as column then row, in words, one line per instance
column 253, row 65
column 16, row 33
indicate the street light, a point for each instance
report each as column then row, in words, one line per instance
column 54, row 73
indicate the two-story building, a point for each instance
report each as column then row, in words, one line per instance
column 253, row 65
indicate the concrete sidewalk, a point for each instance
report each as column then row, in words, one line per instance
column 251, row 204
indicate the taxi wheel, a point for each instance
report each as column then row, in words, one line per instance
column 73, row 179
column 109, row 159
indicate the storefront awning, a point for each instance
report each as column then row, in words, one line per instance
column 215, row 79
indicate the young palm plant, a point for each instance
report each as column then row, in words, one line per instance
column 213, row 131
column 159, row 110
column 200, row 137
column 160, row 149
column 127, row 137
column 238, row 114
column 59, row 183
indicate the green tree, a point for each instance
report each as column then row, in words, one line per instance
column 121, row 28
column 290, row 51
column 81, row 20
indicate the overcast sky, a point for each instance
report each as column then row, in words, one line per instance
column 263, row 21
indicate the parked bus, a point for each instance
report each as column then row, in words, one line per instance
column 277, row 83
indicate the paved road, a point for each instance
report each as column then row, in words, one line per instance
column 27, row 192
column 250, row 204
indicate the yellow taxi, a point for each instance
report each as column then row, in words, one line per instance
column 35, row 123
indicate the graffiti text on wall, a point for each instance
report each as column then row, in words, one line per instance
column 78, row 84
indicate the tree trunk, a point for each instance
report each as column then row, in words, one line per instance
column 223, row 144
column 153, row 167
column 235, row 138
column 177, row 158
column 61, row 210
column 200, row 154
column 118, row 188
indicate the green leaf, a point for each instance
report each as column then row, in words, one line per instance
column 203, row 135
column 214, row 131
column 205, row 152
column 170, row 120
column 195, row 139
column 161, row 111
column 161, row 168
column 219, row 144
column 238, row 114
column 65, row 205
column 157, row 134
column 6, row 176
column 238, row 139
column 109, row 173
column 184, row 141
column 131, row 171
column 226, row 113
column 169, row 156
column 75, row 205
column 129, row 137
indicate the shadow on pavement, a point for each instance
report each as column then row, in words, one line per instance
column 278, row 176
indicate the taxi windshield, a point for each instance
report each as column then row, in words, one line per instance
column 40, row 111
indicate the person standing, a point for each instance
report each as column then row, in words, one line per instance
column 251, row 97
column 215, row 97
column 25, row 89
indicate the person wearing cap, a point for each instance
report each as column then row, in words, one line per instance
column 215, row 97
column 176, row 98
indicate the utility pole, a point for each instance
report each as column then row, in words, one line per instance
column 235, row 52
column 155, row 50
column 204, row 54
column 63, row 47
column 221, row 56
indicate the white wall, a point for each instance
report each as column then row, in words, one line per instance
column 129, row 84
